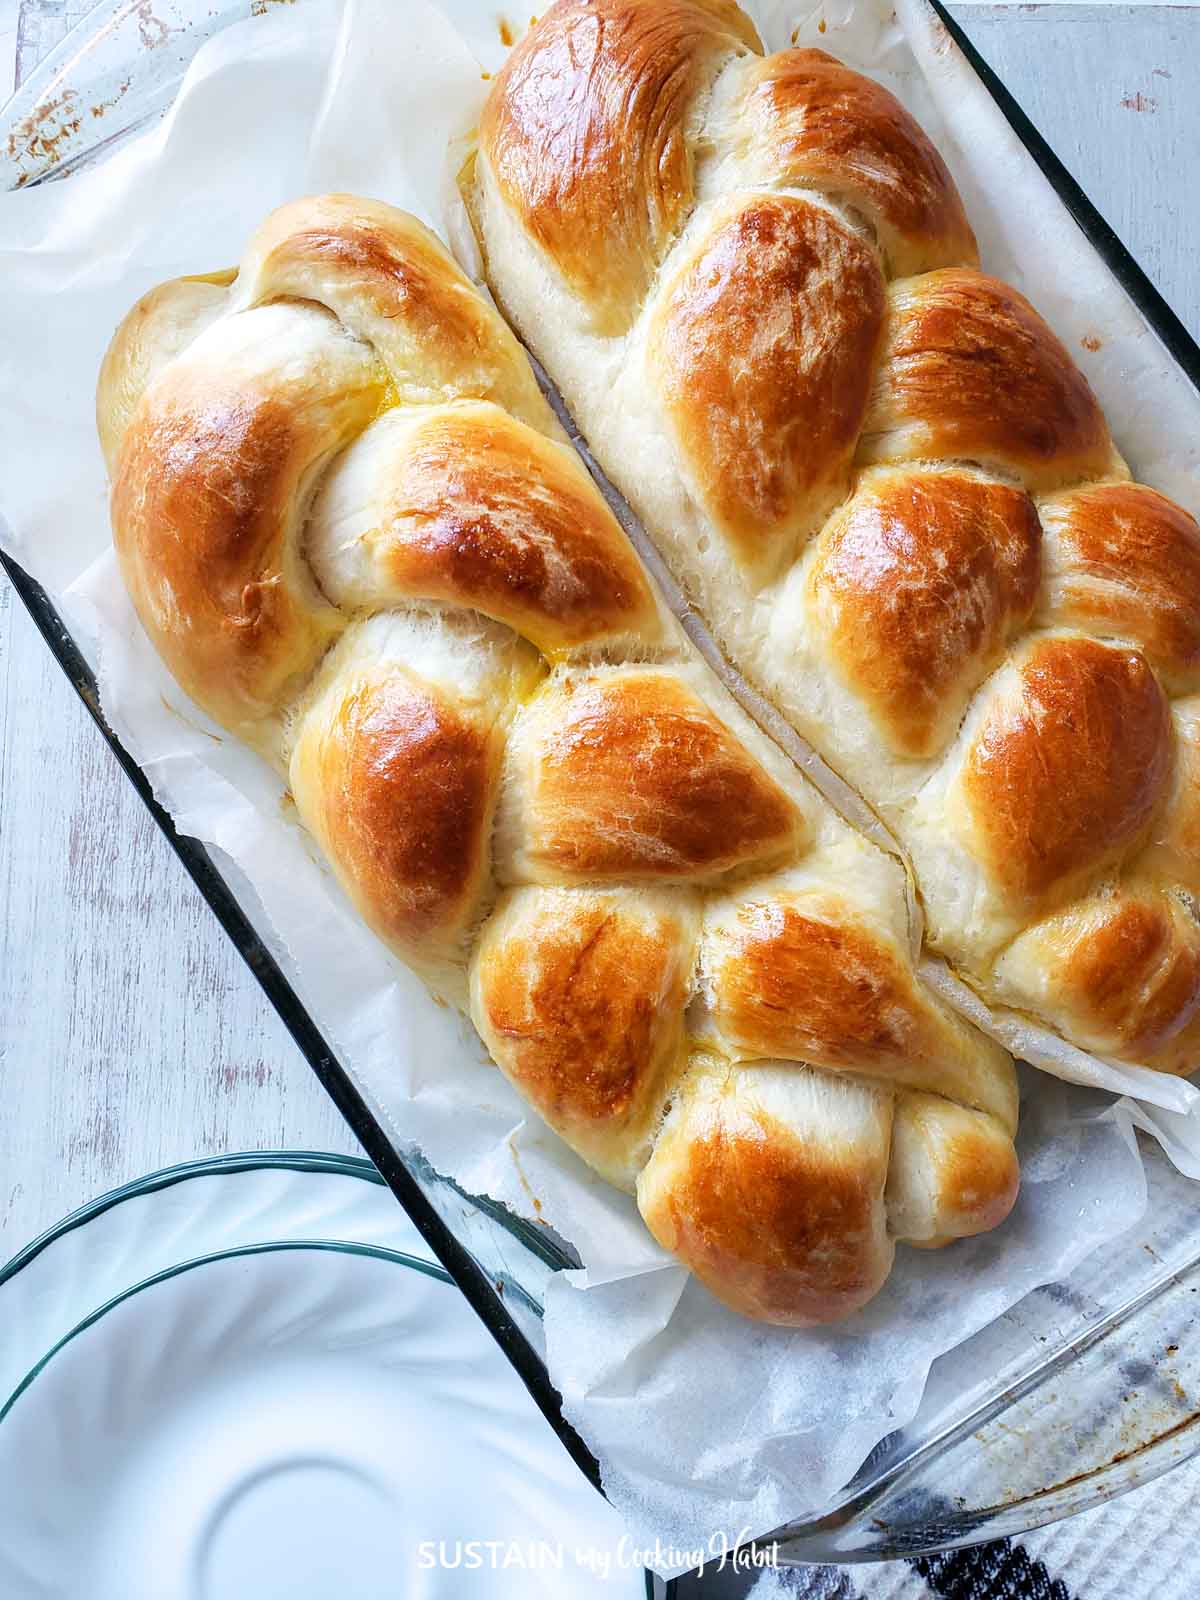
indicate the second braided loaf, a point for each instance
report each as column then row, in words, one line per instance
column 882, row 481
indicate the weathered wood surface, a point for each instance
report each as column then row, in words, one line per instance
column 1115, row 90
column 131, row 1035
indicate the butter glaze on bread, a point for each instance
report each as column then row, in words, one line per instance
column 884, row 484
column 347, row 519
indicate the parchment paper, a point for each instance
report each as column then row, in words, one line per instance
column 703, row 1423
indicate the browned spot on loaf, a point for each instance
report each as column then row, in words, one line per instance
column 764, row 344
column 980, row 1179
column 800, row 979
column 1128, row 967
column 373, row 267
column 750, row 1197
column 972, row 372
column 208, row 487
column 1139, row 975
column 368, row 252
column 579, row 998
column 960, row 1162
column 1091, row 341
column 405, row 790
column 781, row 1222
column 201, row 491
column 584, row 129
column 484, row 511
column 806, row 989
column 1067, row 775
column 1175, row 857
column 811, row 122
column 1127, row 562
column 917, row 586
column 638, row 779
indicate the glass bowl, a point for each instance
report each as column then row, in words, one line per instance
column 256, row 1358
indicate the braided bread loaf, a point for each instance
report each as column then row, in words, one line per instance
column 881, row 480
column 346, row 520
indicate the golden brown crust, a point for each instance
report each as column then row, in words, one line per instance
column 917, row 586
column 970, row 372
column 1125, row 560
column 762, row 347
column 584, row 130
column 399, row 788
column 801, row 979
column 480, row 510
column 1066, row 774
column 781, row 1216
column 209, row 482
column 579, row 995
column 954, row 1172
column 812, row 123
column 394, row 284
column 1125, row 967
column 633, row 777
column 162, row 323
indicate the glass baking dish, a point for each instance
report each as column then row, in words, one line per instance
column 1004, row 1440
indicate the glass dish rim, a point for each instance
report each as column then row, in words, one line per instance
column 179, row 1172
column 377, row 1252
column 393, row 1165
column 227, row 1163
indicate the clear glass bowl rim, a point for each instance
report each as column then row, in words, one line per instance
column 313, row 1161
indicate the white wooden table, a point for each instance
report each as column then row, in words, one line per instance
column 131, row 1035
